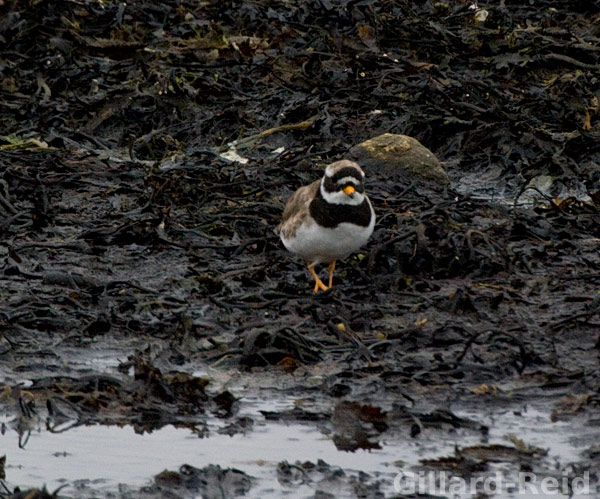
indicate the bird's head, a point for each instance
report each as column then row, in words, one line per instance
column 343, row 183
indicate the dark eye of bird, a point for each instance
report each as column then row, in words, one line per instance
column 330, row 185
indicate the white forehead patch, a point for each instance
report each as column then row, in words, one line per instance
column 348, row 180
column 333, row 168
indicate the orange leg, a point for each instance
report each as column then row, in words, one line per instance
column 318, row 283
column 331, row 269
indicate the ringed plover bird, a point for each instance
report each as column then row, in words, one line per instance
column 328, row 219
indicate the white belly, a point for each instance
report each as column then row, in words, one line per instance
column 317, row 244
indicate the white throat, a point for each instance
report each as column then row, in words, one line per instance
column 340, row 197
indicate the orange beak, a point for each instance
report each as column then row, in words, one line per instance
column 349, row 190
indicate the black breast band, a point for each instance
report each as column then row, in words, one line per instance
column 331, row 215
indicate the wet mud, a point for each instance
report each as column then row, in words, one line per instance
column 146, row 154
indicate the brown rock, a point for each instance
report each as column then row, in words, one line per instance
column 393, row 154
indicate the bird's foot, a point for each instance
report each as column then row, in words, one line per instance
column 319, row 285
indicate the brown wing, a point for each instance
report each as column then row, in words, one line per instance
column 296, row 209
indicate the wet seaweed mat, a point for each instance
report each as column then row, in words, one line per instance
column 146, row 153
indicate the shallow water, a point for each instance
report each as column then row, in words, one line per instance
column 110, row 455
column 103, row 457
